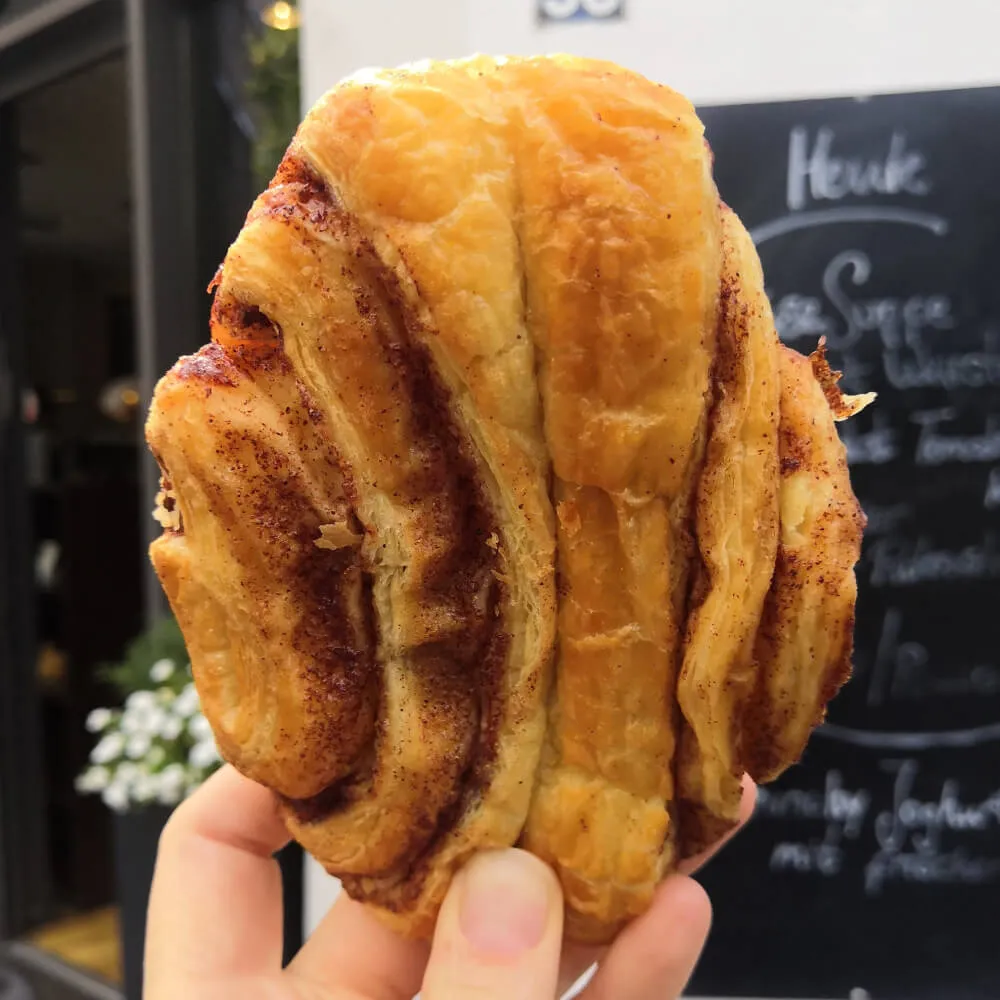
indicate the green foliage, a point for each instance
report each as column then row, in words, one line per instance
column 274, row 91
column 162, row 641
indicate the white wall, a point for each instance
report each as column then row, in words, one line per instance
column 339, row 37
column 715, row 51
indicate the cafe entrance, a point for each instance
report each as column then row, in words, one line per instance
column 125, row 168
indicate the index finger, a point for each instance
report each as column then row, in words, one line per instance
column 215, row 905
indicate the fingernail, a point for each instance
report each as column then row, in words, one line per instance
column 504, row 903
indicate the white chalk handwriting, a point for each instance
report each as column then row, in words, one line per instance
column 903, row 669
column 992, row 499
column 971, row 370
column 900, row 322
column 920, row 824
column 897, row 562
column 935, row 448
column 834, row 803
column 872, row 447
column 913, row 839
column 912, row 330
column 817, row 174
column 951, row 867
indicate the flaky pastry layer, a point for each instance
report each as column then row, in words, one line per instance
column 495, row 513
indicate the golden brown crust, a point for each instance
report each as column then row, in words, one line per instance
column 736, row 524
column 620, row 231
column 249, row 512
column 808, row 617
column 489, row 325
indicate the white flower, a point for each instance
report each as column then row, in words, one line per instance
column 166, row 697
column 155, row 721
column 156, row 756
column 132, row 722
column 126, row 772
column 141, row 701
column 144, row 718
column 108, row 749
column 173, row 773
column 187, row 702
column 116, row 796
column 172, row 782
column 146, row 787
column 99, row 719
column 200, row 729
column 171, row 727
column 162, row 670
column 203, row 754
column 138, row 746
column 94, row 779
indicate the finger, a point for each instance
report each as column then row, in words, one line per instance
column 499, row 932
column 351, row 949
column 654, row 957
column 690, row 865
column 215, row 903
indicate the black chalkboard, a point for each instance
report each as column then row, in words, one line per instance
column 875, row 864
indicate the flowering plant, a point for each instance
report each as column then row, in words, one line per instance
column 158, row 747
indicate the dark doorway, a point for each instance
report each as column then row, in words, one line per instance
column 126, row 167
column 80, row 412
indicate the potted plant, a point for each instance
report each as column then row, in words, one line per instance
column 150, row 753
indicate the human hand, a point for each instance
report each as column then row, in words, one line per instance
column 215, row 924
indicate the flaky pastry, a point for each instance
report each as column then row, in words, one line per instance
column 495, row 513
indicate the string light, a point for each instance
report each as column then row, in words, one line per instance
column 280, row 15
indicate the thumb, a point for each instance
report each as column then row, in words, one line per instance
column 499, row 934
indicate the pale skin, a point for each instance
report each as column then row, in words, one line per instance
column 215, row 928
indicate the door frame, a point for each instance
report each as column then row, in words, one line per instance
column 160, row 60
column 56, row 38
column 42, row 44
column 24, row 881
column 37, row 46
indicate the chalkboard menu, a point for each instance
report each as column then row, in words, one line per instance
column 874, row 866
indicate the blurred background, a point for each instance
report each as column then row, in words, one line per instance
column 860, row 142
column 133, row 137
